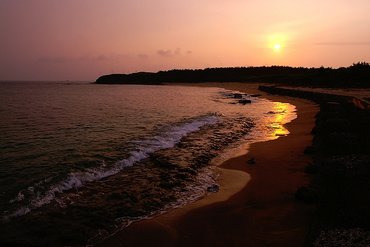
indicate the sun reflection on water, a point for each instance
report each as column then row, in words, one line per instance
column 281, row 117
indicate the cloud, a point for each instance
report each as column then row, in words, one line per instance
column 165, row 53
column 343, row 43
column 142, row 56
column 178, row 51
column 169, row 52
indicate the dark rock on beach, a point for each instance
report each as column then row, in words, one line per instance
column 255, row 95
column 213, row 188
column 244, row 101
column 251, row 161
column 238, row 95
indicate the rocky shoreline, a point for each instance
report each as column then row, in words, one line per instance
column 340, row 170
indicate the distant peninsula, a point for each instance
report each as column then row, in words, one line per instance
column 355, row 76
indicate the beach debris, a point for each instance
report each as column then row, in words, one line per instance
column 213, row 188
column 251, row 161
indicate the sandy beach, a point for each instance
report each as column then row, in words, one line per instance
column 255, row 205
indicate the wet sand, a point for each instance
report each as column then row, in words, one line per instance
column 255, row 205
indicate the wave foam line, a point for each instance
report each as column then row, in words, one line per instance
column 78, row 179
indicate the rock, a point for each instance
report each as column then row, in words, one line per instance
column 170, row 183
column 188, row 170
column 244, row 101
column 255, row 95
column 251, row 161
column 115, row 196
column 238, row 95
column 213, row 188
column 161, row 161
column 183, row 176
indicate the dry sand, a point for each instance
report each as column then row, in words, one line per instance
column 255, row 205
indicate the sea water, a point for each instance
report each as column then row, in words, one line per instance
column 79, row 161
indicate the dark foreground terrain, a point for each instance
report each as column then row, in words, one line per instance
column 340, row 171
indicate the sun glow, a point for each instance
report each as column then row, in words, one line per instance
column 277, row 47
column 276, row 42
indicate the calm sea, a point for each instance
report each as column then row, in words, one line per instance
column 79, row 161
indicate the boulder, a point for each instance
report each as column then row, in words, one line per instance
column 244, row 101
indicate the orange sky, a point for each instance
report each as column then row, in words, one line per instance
column 82, row 39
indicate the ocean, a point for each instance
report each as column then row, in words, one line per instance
column 79, row 161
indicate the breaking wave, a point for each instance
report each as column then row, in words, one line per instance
column 145, row 147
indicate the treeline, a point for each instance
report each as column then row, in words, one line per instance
column 356, row 75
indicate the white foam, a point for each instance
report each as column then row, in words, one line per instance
column 77, row 179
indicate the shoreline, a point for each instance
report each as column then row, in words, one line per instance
column 254, row 200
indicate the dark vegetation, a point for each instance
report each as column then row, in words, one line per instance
column 340, row 171
column 341, row 150
column 356, row 75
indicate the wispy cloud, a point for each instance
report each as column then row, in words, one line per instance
column 170, row 53
column 142, row 56
column 165, row 53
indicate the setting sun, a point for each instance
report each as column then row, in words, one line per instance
column 276, row 42
column 277, row 47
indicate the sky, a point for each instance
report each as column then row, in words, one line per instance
column 83, row 39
